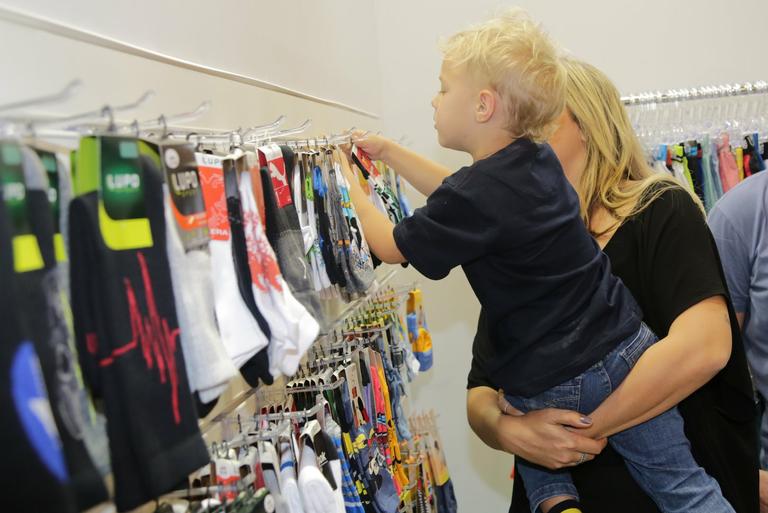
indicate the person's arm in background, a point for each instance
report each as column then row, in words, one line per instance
column 423, row 174
column 545, row 437
column 735, row 256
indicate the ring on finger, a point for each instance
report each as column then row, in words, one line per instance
column 582, row 459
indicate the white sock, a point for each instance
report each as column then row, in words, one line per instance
column 270, row 469
column 325, row 446
column 316, row 493
column 209, row 368
column 293, row 328
column 240, row 332
column 288, row 485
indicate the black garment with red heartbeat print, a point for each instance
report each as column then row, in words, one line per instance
column 128, row 341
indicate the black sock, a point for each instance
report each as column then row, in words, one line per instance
column 32, row 453
column 257, row 368
column 44, row 321
column 126, row 327
column 565, row 506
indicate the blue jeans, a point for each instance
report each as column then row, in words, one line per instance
column 656, row 452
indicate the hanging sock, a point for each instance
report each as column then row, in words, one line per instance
column 316, row 492
column 301, row 180
column 383, row 196
column 33, row 452
column 351, row 498
column 125, row 319
column 421, row 339
column 270, row 468
column 258, row 365
column 45, row 317
column 240, row 333
column 360, row 261
column 288, row 485
column 339, row 225
column 292, row 327
column 284, row 232
column 209, row 368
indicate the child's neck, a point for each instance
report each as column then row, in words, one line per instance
column 490, row 145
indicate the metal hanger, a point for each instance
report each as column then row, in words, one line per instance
column 107, row 111
column 279, row 134
column 264, row 129
column 165, row 122
column 65, row 94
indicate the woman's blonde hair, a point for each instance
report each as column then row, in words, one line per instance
column 617, row 175
column 520, row 62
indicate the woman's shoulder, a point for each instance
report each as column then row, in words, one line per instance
column 670, row 201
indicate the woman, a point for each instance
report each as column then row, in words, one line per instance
column 655, row 235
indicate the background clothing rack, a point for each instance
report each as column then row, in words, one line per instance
column 696, row 93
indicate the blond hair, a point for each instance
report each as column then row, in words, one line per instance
column 521, row 63
column 617, row 175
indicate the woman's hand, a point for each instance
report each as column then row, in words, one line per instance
column 546, row 437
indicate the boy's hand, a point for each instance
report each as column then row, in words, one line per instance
column 374, row 145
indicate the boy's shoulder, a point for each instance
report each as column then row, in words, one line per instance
column 523, row 164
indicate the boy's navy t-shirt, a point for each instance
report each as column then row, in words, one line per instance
column 512, row 222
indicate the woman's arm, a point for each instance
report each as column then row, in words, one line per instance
column 543, row 437
column 424, row 174
column 697, row 347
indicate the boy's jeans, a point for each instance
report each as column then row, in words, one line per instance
column 656, row 452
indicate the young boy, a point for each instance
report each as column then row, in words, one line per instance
column 566, row 331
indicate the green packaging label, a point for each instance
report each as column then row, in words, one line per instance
column 48, row 159
column 26, row 250
column 121, row 184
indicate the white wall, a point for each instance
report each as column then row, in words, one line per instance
column 641, row 45
column 326, row 49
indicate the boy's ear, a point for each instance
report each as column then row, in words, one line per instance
column 486, row 106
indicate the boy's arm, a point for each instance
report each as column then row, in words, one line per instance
column 697, row 347
column 378, row 229
column 423, row 174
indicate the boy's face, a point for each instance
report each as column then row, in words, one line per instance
column 454, row 107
